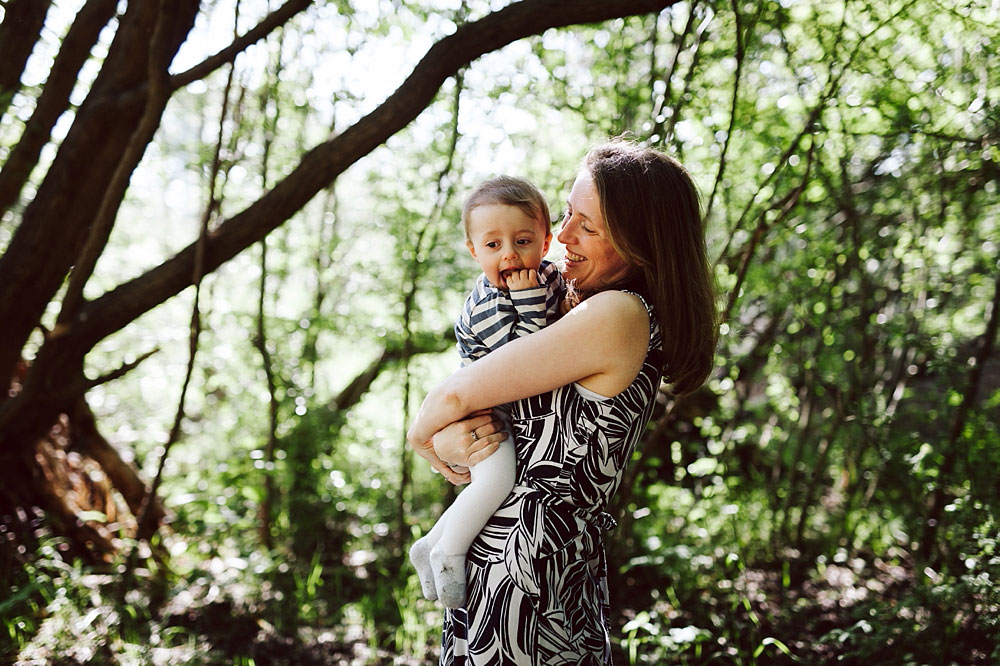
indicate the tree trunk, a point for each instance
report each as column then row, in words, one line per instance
column 34, row 266
column 87, row 439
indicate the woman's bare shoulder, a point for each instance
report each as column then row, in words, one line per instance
column 619, row 337
column 620, row 309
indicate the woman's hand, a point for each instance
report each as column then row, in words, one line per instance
column 426, row 450
column 469, row 441
column 461, row 444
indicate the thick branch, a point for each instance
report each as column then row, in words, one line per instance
column 57, row 221
column 104, row 218
column 320, row 166
column 21, row 27
column 54, row 98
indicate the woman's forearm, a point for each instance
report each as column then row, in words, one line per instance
column 605, row 338
column 443, row 405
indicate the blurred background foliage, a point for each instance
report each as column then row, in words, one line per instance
column 830, row 496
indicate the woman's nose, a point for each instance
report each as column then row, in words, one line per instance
column 564, row 232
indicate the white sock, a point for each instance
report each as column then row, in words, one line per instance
column 420, row 556
column 449, row 577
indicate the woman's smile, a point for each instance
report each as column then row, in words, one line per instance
column 584, row 228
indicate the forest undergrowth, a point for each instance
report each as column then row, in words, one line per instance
column 188, row 604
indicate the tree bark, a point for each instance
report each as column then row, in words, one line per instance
column 87, row 438
column 19, row 32
column 54, row 98
column 56, row 222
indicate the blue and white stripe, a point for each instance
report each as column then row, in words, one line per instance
column 492, row 317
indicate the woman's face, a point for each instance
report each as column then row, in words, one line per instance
column 591, row 259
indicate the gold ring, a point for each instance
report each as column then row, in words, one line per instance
column 474, row 435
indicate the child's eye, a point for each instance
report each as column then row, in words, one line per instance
column 524, row 241
column 492, row 245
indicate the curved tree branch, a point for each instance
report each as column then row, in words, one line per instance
column 320, row 166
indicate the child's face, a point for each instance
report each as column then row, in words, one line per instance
column 504, row 238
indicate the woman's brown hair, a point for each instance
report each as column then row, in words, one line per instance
column 652, row 210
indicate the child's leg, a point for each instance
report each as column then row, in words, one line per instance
column 420, row 555
column 492, row 480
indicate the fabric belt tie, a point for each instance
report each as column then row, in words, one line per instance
column 601, row 520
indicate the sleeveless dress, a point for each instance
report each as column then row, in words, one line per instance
column 536, row 574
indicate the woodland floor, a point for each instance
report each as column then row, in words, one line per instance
column 821, row 620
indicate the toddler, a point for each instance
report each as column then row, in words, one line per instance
column 507, row 231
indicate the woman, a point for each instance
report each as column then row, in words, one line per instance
column 583, row 390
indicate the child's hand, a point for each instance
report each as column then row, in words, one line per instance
column 571, row 298
column 569, row 301
column 523, row 279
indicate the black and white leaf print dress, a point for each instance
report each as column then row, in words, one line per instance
column 537, row 576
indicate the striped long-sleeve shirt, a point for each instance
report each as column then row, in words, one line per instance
column 492, row 317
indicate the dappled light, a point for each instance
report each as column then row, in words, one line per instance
column 227, row 283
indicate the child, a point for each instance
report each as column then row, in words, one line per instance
column 507, row 231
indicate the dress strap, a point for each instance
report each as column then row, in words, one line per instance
column 654, row 353
column 645, row 304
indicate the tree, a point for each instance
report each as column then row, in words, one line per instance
column 62, row 228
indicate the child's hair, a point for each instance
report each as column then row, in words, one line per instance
column 508, row 191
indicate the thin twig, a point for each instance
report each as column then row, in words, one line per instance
column 228, row 55
column 664, row 99
column 260, row 340
column 144, row 530
column 737, row 76
column 785, row 205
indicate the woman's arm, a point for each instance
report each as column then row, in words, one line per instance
column 601, row 344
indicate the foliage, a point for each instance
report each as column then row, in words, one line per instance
column 847, row 155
